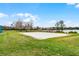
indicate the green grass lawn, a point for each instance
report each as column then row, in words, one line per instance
column 14, row 44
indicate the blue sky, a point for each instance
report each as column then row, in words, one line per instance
column 43, row 14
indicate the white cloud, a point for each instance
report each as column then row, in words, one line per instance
column 24, row 16
column 74, row 4
column 52, row 21
column 7, row 23
column 3, row 15
column 29, row 17
column 71, row 3
column 34, row 18
column 27, row 14
column 20, row 14
column 77, row 6
column 69, row 23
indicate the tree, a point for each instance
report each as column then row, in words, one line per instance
column 6, row 27
column 31, row 24
column 28, row 25
column 22, row 25
column 57, row 26
column 60, row 25
column 18, row 24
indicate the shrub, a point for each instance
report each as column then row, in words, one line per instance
column 59, row 32
column 74, row 32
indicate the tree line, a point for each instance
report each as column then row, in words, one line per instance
column 21, row 25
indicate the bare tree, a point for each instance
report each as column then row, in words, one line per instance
column 18, row 24
column 28, row 25
column 31, row 24
column 23, row 25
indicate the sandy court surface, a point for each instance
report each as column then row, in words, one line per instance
column 43, row 35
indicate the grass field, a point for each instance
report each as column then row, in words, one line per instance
column 14, row 44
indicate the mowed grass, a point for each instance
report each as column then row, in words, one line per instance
column 14, row 44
